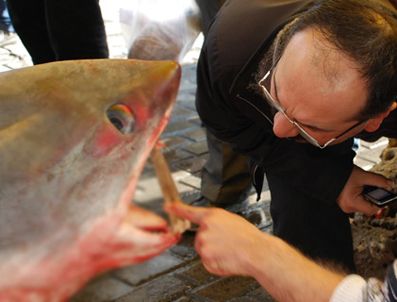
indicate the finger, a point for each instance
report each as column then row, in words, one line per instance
column 193, row 214
column 154, row 246
column 145, row 219
column 141, row 237
column 137, row 245
column 365, row 207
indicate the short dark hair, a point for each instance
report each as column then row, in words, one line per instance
column 366, row 31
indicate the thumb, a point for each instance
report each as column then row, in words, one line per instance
column 366, row 207
column 193, row 214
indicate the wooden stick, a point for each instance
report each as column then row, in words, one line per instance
column 168, row 188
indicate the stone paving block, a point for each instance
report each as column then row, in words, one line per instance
column 244, row 299
column 180, row 175
column 186, row 83
column 180, row 113
column 197, row 135
column 196, row 121
column 177, row 128
column 190, row 196
column 139, row 273
column 175, row 156
column 102, row 289
column 196, row 274
column 192, row 181
column 192, row 106
column 172, row 142
column 183, row 189
column 186, row 97
column 227, row 288
column 259, row 295
column 193, row 164
column 164, row 289
column 185, row 299
column 198, row 148
column 185, row 248
column 189, row 69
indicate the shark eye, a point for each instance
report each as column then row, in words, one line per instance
column 122, row 117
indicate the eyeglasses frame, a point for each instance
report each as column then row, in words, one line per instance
column 310, row 139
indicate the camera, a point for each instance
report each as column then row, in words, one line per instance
column 379, row 196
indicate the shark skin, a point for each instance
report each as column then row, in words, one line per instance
column 74, row 137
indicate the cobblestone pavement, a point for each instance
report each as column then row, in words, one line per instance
column 176, row 275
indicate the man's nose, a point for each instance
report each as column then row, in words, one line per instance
column 282, row 127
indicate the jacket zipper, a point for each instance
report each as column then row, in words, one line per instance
column 256, row 108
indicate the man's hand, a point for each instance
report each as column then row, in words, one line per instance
column 230, row 245
column 227, row 243
column 351, row 199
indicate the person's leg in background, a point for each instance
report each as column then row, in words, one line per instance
column 76, row 29
column 319, row 230
column 60, row 30
column 29, row 21
column 225, row 176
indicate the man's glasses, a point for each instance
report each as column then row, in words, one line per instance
column 276, row 105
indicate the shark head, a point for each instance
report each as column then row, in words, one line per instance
column 74, row 137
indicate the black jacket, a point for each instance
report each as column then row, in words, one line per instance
column 237, row 40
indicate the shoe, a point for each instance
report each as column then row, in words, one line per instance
column 258, row 213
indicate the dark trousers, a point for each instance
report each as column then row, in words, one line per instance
column 54, row 30
column 225, row 175
column 319, row 230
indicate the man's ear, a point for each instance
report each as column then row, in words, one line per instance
column 374, row 123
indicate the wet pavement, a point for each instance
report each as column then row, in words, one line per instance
column 176, row 275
